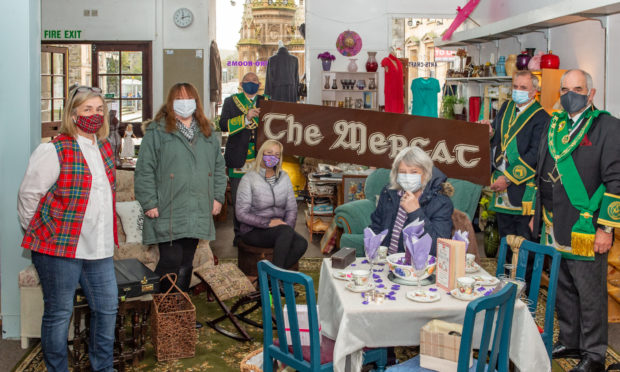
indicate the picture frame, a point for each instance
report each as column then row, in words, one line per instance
column 353, row 187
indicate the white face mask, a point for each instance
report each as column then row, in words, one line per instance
column 184, row 107
column 409, row 182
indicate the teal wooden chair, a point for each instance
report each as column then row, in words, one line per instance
column 314, row 358
column 540, row 252
column 498, row 307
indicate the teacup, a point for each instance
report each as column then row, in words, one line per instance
column 465, row 285
column 360, row 277
column 383, row 251
column 470, row 260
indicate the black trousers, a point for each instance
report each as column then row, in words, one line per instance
column 581, row 304
column 234, row 186
column 176, row 255
column 288, row 245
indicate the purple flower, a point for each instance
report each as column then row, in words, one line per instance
column 481, row 289
column 363, row 294
column 488, row 292
column 326, row 56
column 364, row 302
column 380, row 286
column 353, row 264
column 432, row 260
column 391, row 298
column 381, row 264
column 433, row 289
column 378, row 281
column 376, row 276
column 392, row 293
column 365, row 261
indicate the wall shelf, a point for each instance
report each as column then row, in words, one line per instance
column 490, row 79
column 554, row 15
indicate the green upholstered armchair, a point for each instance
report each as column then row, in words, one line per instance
column 354, row 217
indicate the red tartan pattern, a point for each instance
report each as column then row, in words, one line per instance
column 56, row 225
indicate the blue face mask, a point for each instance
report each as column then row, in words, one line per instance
column 250, row 87
column 520, row 96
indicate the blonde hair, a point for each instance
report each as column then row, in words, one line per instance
column 413, row 156
column 75, row 100
column 259, row 156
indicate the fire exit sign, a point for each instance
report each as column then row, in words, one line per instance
column 62, row 34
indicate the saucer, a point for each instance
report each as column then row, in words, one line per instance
column 351, row 287
column 473, row 269
column 485, row 280
column 342, row 274
column 463, row 297
column 428, row 281
column 423, row 296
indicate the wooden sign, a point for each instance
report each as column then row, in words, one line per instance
column 371, row 138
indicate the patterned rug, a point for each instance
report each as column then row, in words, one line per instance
column 219, row 353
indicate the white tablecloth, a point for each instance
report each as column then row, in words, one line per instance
column 397, row 323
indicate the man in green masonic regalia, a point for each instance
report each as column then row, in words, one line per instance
column 578, row 206
column 240, row 119
column 514, row 149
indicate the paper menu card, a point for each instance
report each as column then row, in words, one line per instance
column 450, row 262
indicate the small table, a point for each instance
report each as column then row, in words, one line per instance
column 127, row 349
column 354, row 325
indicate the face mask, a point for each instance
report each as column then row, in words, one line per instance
column 409, row 182
column 271, row 160
column 573, row 102
column 184, row 107
column 520, row 96
column 250, row 87
column 89, row 124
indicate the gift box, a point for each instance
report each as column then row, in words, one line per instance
column 439, row 346
column 343, row 258
column 304, row 324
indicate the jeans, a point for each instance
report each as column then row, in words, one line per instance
column 59, row 278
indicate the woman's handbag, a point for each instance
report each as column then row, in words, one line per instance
column 174, row 323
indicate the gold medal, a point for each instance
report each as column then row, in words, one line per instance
column 562, row 124
column 566, row 139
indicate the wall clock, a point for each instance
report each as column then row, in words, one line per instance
column 183, row 17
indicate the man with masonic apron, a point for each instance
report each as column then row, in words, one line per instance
column 578, row 203
column 240, row 119
column 516, row 137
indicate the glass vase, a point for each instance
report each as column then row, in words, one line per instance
column 371, row 63
column 491, row 238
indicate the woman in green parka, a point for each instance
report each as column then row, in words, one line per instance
column 180, row 182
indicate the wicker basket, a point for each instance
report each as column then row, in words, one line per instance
column 251, row 362
column 173, row 324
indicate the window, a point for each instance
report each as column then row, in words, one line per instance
column 122, row 71
column 53, row 88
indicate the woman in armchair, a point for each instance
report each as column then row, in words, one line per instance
column 417, row 190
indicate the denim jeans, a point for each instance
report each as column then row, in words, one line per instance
column 59, row 278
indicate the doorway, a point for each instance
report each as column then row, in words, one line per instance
column 121, row 69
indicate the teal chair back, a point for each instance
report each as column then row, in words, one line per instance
column 270, row 276
column 375, row 182
column 540, row 252
column 498, row 306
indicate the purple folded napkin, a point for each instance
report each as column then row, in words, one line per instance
column 372, row 242
column 412, row 231
column 462, row 236
column 419, row 249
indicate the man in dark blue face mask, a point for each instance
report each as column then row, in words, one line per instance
column 578, row 204
column 240, row 119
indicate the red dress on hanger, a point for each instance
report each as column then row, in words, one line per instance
column 393, row 89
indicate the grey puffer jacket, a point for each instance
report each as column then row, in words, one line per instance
column 258, row 202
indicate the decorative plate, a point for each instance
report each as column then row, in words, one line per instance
column 349, row 43
column 464, row 297
column 342, row 275
column 486, row 280
column 351, row 287
column 423, row 296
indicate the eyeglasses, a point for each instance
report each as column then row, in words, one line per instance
column 84, row 89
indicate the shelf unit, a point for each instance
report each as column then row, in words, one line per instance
column 339, row 94
column 490, row 79
column 554, row 15
column 316, row 191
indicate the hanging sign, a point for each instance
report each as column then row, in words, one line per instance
column 459, row 149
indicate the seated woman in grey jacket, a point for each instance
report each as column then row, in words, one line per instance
column 267, row 210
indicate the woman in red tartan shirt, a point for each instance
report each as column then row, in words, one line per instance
column 66, row 205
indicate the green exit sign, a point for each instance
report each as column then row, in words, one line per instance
column 108, row 95
column 62, row 34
